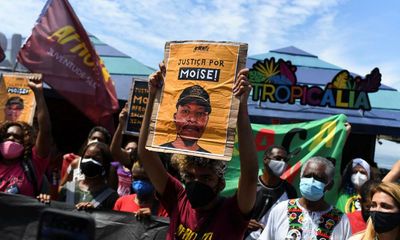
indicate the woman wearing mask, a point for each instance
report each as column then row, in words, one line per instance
column 356, row 173
column 384, row 222
column 23, row 159
column 92, row 191
column 143, row 201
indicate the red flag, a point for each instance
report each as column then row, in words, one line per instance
column 60, row 49
column 2, row 55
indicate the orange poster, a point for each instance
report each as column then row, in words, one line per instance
column 196, row 112
column 17, row 101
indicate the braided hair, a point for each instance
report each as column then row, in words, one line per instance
column 27, row 140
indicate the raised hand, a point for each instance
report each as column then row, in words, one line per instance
column 35, row 82
column 242, row 86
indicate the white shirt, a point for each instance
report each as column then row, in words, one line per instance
column 278, row 224
column 264, row 219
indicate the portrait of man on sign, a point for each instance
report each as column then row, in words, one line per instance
column 191, row 117
column 13, row 109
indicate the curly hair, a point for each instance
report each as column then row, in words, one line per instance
column 183, row 162
column 27, row 131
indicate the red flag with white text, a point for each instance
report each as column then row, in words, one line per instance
column 61, row 50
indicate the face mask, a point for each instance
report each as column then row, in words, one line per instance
column 311, row 189
column 199, row 194
column 277, row 167
column 384, row 221
column 358, row 179
column 143, row 188
column 11, row 150
column 91, row 168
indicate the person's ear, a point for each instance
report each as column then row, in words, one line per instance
column 174, row 117
column 329, row 186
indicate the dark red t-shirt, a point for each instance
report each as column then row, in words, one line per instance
column 227, row 222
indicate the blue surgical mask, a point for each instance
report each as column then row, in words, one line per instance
column 311, row 189
column 142, row 188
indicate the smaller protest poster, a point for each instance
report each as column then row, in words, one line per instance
column 137, row 106
column 196, row 112
column 17, row 101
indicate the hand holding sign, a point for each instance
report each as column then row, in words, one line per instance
column 242, row 86
column 35, row 82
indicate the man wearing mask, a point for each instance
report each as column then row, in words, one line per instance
column 198, row 211
column 309, row 217
column 271, row 189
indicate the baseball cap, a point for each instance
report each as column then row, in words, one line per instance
column 196, row 94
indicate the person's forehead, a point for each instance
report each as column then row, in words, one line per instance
column 315, row 168
column 383, row 197
column 93, row 150
column 358, row 167
column 15, row 129
column 131, row 145
column 97, row 134
column 278, row 152
column 193, row 104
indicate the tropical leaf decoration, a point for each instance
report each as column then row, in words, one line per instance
column 344, row 80
column 270, row 71
column 371, row 82
column 340, row 81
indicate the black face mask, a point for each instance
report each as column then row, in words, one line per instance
column 384, row 222
column 91, row 169
column 199, row 194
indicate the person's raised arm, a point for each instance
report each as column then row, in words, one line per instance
column 118, row 153
column 247, row 188
column 394, row 174
column 44, row 137
column 150, row 161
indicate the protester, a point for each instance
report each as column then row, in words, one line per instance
column 356, row 173
column 271, row 189
column 198, row 209
column 71, row 161
column 23, row 159
column 125, row 157
column 143, row 201
column 92, row 191
column 309, row 217
column 384, row 222
column 358, row 219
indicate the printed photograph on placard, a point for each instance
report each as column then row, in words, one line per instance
column 197, row 111
column 17, row 101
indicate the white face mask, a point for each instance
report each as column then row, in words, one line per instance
column 277, row 167
column 358, row 179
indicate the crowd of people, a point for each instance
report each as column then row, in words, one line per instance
column 110, row 173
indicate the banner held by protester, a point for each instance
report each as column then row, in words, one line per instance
column 17, row 101
column 325, row 137
column 196, row 112
column 137, row 106
column 60, row 49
